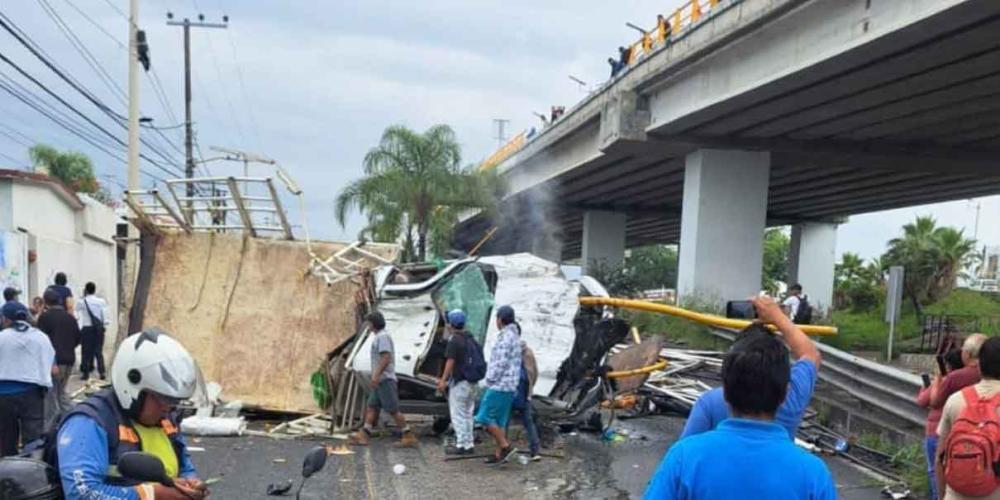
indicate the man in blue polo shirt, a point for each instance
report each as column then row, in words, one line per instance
column 747, row 455
column 711, row 407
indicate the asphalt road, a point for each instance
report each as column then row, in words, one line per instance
column 588, row 468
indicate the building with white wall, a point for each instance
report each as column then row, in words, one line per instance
column 46, row 228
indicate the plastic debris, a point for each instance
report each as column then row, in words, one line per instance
column 213, row 426
column 399, row 469
column 279, row 489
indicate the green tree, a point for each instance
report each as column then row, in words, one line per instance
column 933, row 258
column 776, row 248
column 653, row 266
column 414, row 189
column 857, row 285
column 72, row 167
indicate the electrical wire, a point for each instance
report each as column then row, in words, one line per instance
column 98, row 25
column 72, row 108
column 88, row 57
column 13, row 160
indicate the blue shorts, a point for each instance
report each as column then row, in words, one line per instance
column 494, row 408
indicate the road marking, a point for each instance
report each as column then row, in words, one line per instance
column 368, row 473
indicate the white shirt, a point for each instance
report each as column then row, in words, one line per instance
column 97, row 306
column 26, row 355
column 792, row 303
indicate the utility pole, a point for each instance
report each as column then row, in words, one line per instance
column 501, row 137
column 187, row 24
column 126, row 280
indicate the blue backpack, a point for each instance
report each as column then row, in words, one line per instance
column 474, row 368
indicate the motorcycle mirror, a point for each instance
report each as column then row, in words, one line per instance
column 314, row 462
column 143, row 467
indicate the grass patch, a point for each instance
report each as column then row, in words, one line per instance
column 674, row 329
column 867, row 330
column 909, row 460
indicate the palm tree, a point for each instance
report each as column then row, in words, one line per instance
column 954, row 253
column 849, row 269
column 414, row 186
column 71, row 167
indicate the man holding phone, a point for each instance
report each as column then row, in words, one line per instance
column 711, row 407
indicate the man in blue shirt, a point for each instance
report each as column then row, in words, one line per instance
column 711, row 407
column 747, row 455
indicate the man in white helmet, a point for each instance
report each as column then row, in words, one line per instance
column 150, row 375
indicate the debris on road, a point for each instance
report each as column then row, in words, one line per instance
column 197, row 425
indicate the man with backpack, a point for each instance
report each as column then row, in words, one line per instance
column 969, row 433
column 463, row 368
column 797, row 306
column 502, row 375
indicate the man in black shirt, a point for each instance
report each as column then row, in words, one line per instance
column 461, row 392
column 64, row 333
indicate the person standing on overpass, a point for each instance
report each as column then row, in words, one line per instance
column 711, row 408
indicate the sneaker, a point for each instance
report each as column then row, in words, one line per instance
column 103, row 377
column 492, row 460
column 535, row 457
column 507, row 452
column 455, row 450
column 84, row 377
column 409, row 440
column 359, row 438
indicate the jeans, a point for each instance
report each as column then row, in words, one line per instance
column 57, row 402
column 528, row 421
column 461, row 405
column 20, row 415
column 930, row 447
column 92, row 348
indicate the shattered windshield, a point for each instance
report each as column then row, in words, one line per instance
column 467, row 290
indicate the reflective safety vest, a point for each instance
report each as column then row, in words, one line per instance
column 103, row 407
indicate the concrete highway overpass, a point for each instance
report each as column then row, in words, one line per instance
column 762, row 113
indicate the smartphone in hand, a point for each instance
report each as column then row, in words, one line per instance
column 740, row 309
column 926, row 378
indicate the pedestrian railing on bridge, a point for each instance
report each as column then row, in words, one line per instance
column 938, row 329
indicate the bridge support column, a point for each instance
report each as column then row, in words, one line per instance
column 603, row 239
column 722, row 225
column 812, row 257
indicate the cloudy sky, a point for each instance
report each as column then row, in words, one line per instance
column 321, row 80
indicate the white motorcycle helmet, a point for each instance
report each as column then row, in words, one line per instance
column 152, row 361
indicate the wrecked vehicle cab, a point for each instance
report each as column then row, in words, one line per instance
column 568, row 340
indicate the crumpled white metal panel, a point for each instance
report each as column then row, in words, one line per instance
column 544, row 303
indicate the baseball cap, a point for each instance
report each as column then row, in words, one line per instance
column 456, row 318
column 15, row 311
column 10, row 293
column 505, row 314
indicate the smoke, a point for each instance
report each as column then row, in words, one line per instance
column 529, row 220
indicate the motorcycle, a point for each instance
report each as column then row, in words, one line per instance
column 30, row 479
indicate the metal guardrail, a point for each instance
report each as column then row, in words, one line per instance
column 891, row 390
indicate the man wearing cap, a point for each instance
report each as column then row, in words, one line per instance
column 384, row 393
column 10, row 295
column 502, row 375
column 26, row 358
column 461, row 392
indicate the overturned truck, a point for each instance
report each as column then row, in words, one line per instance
column 570, row 341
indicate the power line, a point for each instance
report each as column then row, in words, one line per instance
column 81, row 49
column 243, row 88
column 78, row 133
column 97, row 25
column 97, row 67
column 15, row 138
column 13, row 160
column 72, row 108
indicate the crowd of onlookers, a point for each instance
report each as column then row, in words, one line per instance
column 38, row 355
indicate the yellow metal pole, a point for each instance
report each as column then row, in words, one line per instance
column 707, row 319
